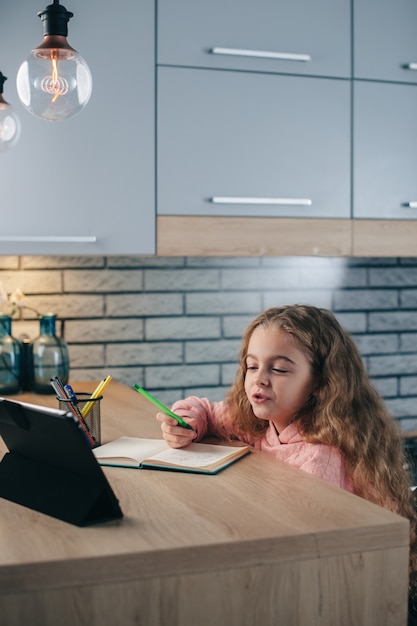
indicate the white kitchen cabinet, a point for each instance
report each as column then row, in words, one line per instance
column 284, row 36
column 84, row 185
column 385, row 42
column 385, row 150
column 248, row 121
column 238, row 135
column 252, row 144
column 384, row 114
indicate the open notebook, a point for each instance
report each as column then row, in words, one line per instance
column 201, row 458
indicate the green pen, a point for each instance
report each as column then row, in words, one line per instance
column 161, row 406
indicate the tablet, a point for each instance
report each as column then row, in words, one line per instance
column 50, row 467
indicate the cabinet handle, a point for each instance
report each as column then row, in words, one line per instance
column 247, row 200
column 410, row 66
column 264, row 54
column 411, row 205
column 48, row 239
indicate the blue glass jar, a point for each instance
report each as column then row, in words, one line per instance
column 48, row 357
column 10, row 358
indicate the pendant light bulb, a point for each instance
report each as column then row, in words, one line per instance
column 54, row 82
column 9, row 121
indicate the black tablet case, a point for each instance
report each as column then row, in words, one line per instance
column 50, row 466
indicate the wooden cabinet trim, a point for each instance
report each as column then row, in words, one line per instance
column 250, row 236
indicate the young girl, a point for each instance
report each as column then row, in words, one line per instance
column 302, row 394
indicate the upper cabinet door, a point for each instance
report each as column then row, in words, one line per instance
column 284, row 36
column 385, row 41
column 237, row 143
column 385, row 150
column 83, row 185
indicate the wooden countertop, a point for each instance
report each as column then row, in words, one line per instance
column 257, row 509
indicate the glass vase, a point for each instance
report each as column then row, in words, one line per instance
column 48, row 357
column 10, row 357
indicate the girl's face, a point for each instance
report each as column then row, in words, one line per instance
column 279, row 378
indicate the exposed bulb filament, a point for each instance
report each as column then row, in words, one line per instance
column 55, row 84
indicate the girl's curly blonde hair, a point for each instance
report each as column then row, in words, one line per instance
column 345, row 412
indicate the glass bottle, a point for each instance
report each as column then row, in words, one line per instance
column 48, row 357
column 10, row 356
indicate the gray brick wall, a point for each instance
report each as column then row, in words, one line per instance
column 174, row 325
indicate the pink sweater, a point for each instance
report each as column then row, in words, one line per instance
column 325, row 462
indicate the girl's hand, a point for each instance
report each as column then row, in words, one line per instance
column 175, row 435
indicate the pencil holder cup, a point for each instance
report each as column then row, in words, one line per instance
column 89, row 408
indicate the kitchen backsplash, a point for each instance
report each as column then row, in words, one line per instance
column 174, row 325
